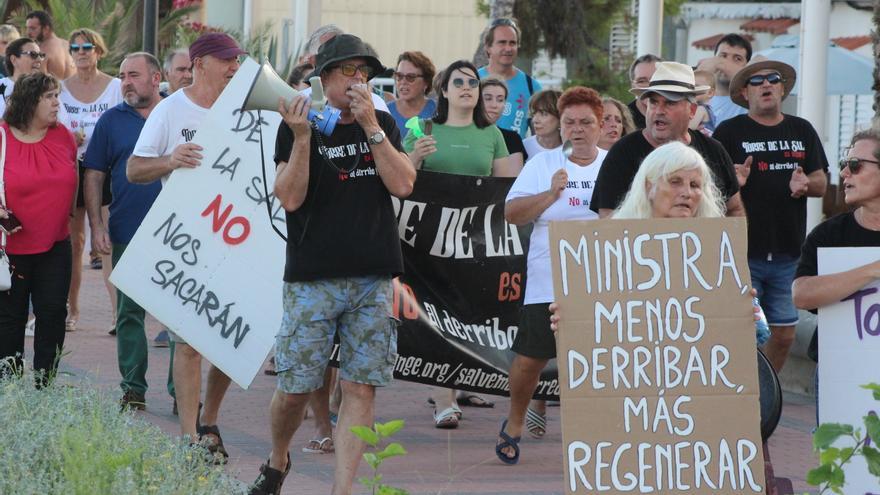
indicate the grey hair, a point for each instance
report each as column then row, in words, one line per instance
column 315, row 39
column 8, row 33
column 170, row 56
column 658, row 166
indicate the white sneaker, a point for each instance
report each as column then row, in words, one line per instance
column 29, row 328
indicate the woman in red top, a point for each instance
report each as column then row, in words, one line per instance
column 40, row 183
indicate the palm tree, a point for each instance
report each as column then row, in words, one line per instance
column 118, row 21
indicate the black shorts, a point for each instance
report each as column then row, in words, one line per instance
column 106, row 195
column 534, row 338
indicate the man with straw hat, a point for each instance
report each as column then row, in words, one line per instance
column 670, row 100
column 783, row 163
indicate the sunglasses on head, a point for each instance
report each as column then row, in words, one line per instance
column 349, row 70
column 34, row 55
column 854, row 164
column 85, row 47
column 400, row 76
column 471, row 82
column 503, row 21
column 759, row 79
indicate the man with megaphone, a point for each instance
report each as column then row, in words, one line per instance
column 163, row 146
column 342, row 253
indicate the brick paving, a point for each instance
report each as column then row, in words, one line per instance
column 458, row 461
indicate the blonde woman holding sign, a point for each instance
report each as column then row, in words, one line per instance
column 554, row 185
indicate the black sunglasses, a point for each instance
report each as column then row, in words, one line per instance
column 854, row 164
column 85, row 46
column 34, row 55
column 772, row 78
column 471, row 82
column 399, row 76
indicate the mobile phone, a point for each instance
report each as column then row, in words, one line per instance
column 10, row 223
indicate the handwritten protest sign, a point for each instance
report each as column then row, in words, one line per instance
column 205, row 261
column 656, row 357
column 849, row 346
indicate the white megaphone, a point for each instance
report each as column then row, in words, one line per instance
column 268, row 86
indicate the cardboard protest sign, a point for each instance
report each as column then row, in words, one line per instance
column 849, row 346
column 656, row 353
column 205, row 261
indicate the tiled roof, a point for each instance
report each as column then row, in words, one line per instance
column 852, row 42
column 772, row 26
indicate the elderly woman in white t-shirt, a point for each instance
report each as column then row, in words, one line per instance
column 551, row 187
column 87, row 94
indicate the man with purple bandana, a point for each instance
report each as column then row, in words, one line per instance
column 164, row 146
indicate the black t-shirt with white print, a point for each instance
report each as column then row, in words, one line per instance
column 346, row 227
column 777, row 222
column 626, row 155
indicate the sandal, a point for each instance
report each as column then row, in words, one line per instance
column 430, row 403
column 467, row 399
column 322, row 446
column 70, row 325
column 507, row 441
column 209, row 437
column 447, row 419
column 536, row 423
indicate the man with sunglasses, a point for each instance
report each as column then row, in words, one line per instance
column 165, row 145
column 782, row 163
column 860, row 179
column 58, row 62
column 501, row 43
column 342, row 252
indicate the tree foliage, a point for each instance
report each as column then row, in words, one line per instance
column 118, row 21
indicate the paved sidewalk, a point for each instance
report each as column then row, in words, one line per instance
column 458, row 461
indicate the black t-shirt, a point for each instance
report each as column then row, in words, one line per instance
column 638, row 118
column 514, row 143
column 840, row 231
column 626, row 155
column 777, row 222
column 346, row 226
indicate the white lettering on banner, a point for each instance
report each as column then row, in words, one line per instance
column 216, row 263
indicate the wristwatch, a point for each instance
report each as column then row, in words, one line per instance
column 377, row 137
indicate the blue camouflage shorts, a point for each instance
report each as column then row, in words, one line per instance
column 359, row 309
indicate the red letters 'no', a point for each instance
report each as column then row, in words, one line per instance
column 219, row 221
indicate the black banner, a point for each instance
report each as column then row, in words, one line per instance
column 459, row 300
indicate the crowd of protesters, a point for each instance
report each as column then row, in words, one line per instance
column 80, row 144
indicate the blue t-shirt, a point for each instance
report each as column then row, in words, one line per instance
column 724, row 108
column 111, row 145
column 426, row 113
column 516, row 111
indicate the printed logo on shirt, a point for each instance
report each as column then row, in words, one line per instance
column 792, row 149
column 187, row 134
column 346, row 150
column 97, row 108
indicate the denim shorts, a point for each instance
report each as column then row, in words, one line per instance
column 772, row 279
column 359, row 309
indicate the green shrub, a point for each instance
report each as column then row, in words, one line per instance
column 73, row 440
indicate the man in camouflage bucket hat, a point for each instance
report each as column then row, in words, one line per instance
column 342, row 252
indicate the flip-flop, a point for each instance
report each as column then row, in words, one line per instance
column 473, row 400
column 320, row 446
column 536, row 423
column 446, row 419
column 508, row 441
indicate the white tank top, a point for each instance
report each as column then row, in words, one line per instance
column 83, row 116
